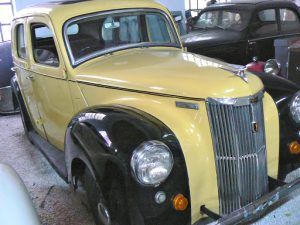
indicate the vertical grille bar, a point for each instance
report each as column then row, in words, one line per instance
column 238, row 133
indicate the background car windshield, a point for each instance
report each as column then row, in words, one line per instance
column 224, row 19
column 97, row 35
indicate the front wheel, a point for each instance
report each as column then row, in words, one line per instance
column 109, row 206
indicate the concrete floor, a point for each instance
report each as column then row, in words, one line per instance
column 58, row 205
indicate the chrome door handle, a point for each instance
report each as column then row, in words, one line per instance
column 30, row 77
column 252, row 42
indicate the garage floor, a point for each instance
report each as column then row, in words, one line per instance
column 58, row 205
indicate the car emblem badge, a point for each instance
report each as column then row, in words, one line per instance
column 255, row 127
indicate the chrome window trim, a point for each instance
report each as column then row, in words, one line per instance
column 114, row 49
column 273, row 37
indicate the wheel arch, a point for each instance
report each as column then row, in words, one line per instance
column 19, row 98
column 105, row 137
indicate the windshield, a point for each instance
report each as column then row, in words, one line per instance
column 104, row 33
column 224, row 19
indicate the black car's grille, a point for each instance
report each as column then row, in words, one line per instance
column 238, row 133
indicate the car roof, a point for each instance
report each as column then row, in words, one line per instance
column 66, row 9
column 252, row 4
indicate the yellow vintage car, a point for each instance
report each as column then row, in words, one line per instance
column 155, row 135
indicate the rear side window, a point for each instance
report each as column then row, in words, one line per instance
column 265, row 24
column 21, row 46
column 267, row 15
column 44, row 49
column 289, row 21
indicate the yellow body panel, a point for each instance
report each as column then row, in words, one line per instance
column 192, row 129
column 150, row 80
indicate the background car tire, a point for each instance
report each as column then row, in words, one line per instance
column 112, row 200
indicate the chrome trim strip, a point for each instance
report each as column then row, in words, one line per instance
column 238, row 101
column 139, row 91
column 111, row 50
column 272, row 37
column 187, row 105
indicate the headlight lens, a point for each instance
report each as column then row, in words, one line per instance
column 295, row 107
column 152, row 163
column 272, row 67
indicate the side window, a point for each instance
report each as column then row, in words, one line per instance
column 21, row 47
column 44, row 50
column 265, row 24
column 158, row 29
column 289, row 21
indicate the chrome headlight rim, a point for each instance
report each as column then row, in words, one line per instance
column 137, row 155
column 274, row 67
column 293, row 103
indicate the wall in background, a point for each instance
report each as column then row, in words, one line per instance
column 21, row 4
column 6, row 16
column 177, row 5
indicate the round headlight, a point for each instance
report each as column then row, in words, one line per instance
column 272, row 67
column 152, row 163
column 295, row 107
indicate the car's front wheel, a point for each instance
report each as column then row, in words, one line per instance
column 108, row 204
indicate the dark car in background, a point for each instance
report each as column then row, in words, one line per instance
column 8, row 103
column 238, row 31
column 286, row 95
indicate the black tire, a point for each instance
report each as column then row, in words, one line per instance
column 21, row 104
column 25, row 117
column 112, row 200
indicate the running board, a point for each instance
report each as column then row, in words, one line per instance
column 54, row 156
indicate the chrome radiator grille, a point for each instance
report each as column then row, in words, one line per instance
column 238, row 133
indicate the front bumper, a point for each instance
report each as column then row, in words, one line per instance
column 258, row 207
column 7, row 103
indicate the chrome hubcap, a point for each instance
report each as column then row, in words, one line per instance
column 103, row 214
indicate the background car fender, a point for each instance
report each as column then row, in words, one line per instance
column 282, row 91
column 16, row 206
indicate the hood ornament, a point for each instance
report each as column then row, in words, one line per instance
column 238, row 71
column 241, row 73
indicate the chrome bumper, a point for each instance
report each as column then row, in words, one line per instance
column 257, row 207
column 7, row 105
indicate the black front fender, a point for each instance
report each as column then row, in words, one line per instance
column 108, row 136
column 282, row 92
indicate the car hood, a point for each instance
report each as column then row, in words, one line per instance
column 167, row 71
column 212, row 37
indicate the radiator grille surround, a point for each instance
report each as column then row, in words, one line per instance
column 238, row 134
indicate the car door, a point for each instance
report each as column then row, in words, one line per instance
column 263, row 30
column 51, row 85
column 24, row 75
column 289, row 22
